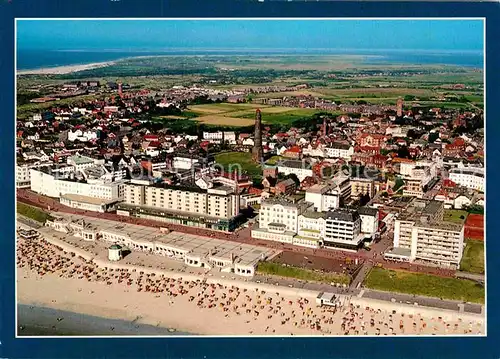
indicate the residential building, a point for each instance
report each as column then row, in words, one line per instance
column 301, row 169
column 215, row 208
column 343, row 229
column 323, row 197
column 286, row 187
column 470, row 177
column 369, row 221
column 51, row 182
column 340, row 150
column 278, row 219
column 362, row 186
column 421, row 234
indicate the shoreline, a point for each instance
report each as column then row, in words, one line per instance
column 33, row 320
column 65, row 69
column 49, row 276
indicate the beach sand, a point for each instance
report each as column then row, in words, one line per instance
column 61, row 70
column 51, row 278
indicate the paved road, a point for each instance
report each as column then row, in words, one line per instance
column 471, row 276
column 361, row 275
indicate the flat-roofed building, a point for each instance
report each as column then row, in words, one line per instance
column 323, row 197
column 369, row 220
column 192, row 250
column 362, row 186
column 278, row 219
column 470, row 177
column 215, row 208
column 420, row 230
column 52, row 182
column 343, row 229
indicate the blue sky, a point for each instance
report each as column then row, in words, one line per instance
column 263, row 34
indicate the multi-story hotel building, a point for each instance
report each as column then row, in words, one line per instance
column 215, row 208
column 58, row 183
column 470, row 177
column 278, row 219
column 421, row 234
column 343, row 229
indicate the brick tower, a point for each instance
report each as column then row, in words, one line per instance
column 400, row 107
column 257, row 152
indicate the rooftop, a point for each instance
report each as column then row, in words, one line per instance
column 245, row 254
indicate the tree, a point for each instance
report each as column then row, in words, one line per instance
column 294, row 177
column 433, row 136
column 399, row 183
column 403, row 152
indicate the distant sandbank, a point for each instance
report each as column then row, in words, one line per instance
column 61, row 70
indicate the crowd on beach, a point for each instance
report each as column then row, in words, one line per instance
column 262, row 312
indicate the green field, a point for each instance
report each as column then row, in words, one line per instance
column 227, row 114
column 234, row 160
column 424, row 284
column 455, row 215
column 273, row 160
column 287, row 117
column 270, row 268
column 32, row 212
column 473, row 258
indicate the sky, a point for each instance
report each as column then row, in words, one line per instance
column 445, row 35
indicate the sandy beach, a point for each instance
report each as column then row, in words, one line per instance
column 50, row 277
column 61, row 70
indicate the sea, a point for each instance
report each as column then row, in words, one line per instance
column 42, row 321
column 36, row 59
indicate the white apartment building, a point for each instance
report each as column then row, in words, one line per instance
column 213, row 136
column 470, row 177
column 215, row 207
column 312, row 228
column 369, row 221
column 301, row 169
column 49, row 183
column 406, row 167
column 278, row 220
column 343, row 229
column 184, row 163
column 421, row 234
column 23, row 174
column 339, row 150
column 323, row 197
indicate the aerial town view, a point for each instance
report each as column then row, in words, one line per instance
column 250, row 177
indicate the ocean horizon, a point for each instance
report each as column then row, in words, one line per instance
column 34, row 59
column 35, row 320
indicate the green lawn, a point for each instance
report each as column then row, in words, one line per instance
column 32, row 212
column 454, row 215
column 473, row 258
column 273, row 160
column 235, row 160
column 286, row 117
column 299, row 273
column 424, row 284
